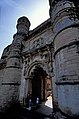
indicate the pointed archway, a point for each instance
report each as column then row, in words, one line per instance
column 39, row 83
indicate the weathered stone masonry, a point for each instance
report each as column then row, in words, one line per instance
column 65, row 25
column 11, row 72
column 53, row 46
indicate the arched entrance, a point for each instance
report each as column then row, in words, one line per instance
column 40, row 84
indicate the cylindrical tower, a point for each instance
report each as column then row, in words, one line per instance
column 65, row 23
column 23, row 25
column 12, row 75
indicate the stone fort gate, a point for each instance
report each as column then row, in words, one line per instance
column 37, row 55
column 52, row 45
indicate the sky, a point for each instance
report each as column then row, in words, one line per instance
column 37, row 12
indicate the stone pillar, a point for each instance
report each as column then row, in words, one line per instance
column 13, row 70
column 65, row 23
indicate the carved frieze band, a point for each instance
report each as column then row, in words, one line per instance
column 37, row 43
column 70, row 12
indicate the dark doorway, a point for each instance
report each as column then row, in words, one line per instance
column 38, row 83
column 36, row 88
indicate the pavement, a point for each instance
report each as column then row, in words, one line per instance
column 42, row 111
column 46, row 107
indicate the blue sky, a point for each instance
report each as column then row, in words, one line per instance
column 37, row 11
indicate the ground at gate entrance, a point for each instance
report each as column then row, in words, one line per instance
column 24, row 114
column 44, row 111
column 46, row 107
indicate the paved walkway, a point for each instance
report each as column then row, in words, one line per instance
column 46, row 107
column 44, row 111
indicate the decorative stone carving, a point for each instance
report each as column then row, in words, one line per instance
column 38, row 43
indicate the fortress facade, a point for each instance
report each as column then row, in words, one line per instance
column 44, row 60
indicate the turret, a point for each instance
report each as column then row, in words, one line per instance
column 63, row 13
column 65, row 24
column 23, row 25
column 12, row 75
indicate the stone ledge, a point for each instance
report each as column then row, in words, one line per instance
column 10, row 83
column 14, row 67
column 67, row 82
